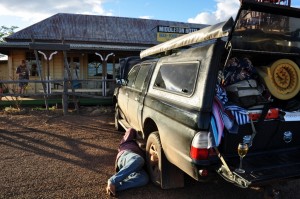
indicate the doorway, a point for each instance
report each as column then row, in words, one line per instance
column 74, row 67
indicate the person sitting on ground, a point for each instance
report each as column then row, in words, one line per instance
column 129, row 165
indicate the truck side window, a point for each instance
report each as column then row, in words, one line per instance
column 132, row 75
column 140, row 79
column 177, row 77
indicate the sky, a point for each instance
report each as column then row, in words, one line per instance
column 28, row 12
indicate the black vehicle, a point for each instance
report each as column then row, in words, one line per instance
column 234, row 82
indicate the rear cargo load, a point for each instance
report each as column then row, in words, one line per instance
column 258, row 93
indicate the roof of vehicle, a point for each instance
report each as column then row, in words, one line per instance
column 128, row 62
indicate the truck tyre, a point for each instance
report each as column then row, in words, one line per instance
column 162, row 172
column 118, row 127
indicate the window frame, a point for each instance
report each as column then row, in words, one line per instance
column 138, row 66
column 189, row 94
column 144, row 75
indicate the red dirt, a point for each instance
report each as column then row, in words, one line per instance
column 55, row 156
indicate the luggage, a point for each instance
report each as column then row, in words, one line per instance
column 245, row 93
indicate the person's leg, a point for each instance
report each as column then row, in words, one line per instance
column 135, row 179
column 21, row 87
column 1, row 91
column 128, row 163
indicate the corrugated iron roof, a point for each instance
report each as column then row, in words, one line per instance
column 108, row 47
column 95, row 29
column 80, row 46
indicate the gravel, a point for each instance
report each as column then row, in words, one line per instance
column 54, row 156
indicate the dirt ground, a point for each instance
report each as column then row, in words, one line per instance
column 55, row 156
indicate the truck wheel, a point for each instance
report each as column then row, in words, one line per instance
column 162, row 172
column 153, row 158
column 118, row 127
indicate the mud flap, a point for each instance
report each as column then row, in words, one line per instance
column 173, row 177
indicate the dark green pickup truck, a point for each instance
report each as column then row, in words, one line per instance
column 207, row 91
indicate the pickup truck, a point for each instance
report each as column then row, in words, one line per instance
column 208, row 91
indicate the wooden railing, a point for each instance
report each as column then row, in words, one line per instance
column 85, row 87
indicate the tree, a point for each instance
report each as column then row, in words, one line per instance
column 6, row 31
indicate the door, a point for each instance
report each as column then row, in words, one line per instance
column 74, row 67
column 136, row 96
column 126, row 90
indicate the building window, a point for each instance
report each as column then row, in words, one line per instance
column 95, row 67
column 32, row 64
column 34, row 70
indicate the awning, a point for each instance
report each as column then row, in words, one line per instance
column 7, row 45
column 211, row 32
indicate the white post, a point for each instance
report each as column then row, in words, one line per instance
column 104, row 71
column 48, row 69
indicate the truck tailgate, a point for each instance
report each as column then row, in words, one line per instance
column 263, row 168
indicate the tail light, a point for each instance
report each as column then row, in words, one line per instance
column 200, row 149
column 199, row 154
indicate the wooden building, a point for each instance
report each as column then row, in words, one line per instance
column 110, row 37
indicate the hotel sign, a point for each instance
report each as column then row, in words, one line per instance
column 165, row 33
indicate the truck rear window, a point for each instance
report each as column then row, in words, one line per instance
column 177, row 77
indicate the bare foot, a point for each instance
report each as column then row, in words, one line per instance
column 111, row 189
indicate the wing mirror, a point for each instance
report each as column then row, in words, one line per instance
column 122, row 82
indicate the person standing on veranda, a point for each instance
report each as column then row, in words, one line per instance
column 1, row 90
column 23, row 73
